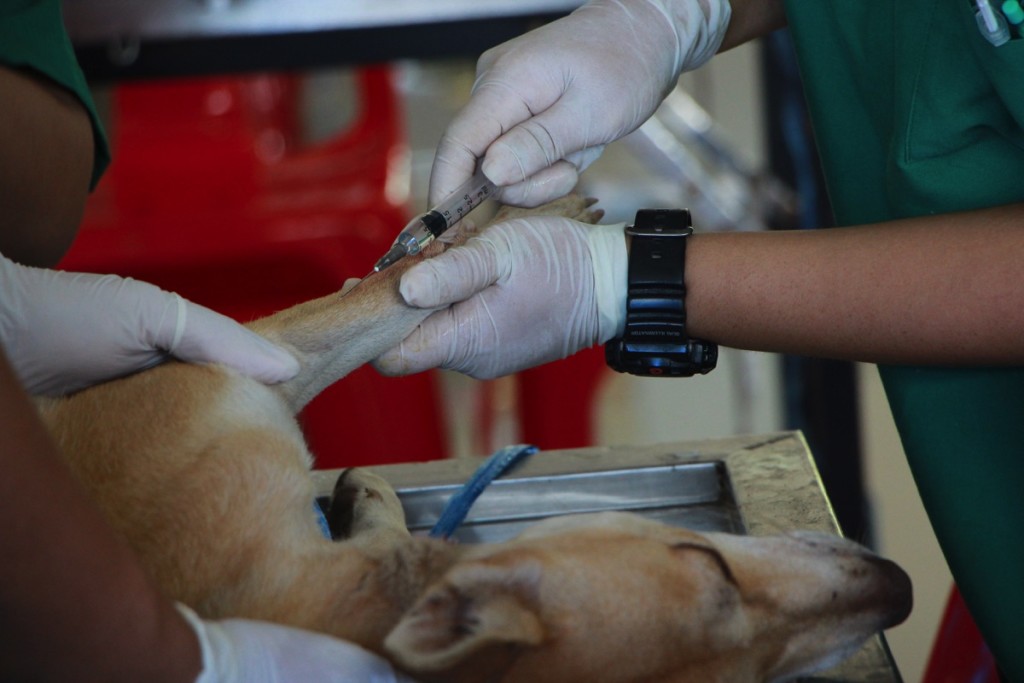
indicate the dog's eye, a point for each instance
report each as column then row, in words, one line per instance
column 713, row 554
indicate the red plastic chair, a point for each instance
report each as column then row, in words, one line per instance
column 959, row 654
column 558, row 401
column 212, row 195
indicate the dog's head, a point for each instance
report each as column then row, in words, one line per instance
column 614, row 597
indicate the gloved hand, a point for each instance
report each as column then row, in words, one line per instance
column 65, row 331
column 546, row 103
column 244, row 651
column 525, row 292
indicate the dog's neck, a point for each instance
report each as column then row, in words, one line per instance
column 415, row 564
column 385, row 584
column 405, row 574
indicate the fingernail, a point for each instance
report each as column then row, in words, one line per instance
column 499, row 166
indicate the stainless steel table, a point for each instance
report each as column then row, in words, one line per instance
column 759, row 485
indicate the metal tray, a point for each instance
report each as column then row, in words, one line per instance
column 693, row 495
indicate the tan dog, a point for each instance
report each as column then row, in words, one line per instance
column 205, row 473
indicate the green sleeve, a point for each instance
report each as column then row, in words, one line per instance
column 915, row 113
column 32, row 37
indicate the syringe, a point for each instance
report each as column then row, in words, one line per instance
column 424, row 228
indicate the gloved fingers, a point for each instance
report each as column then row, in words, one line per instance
column 453, row 276
column 281, row 654
column 57, row 337
column 114, row 318
column 532, row 106
column 454, row 164
column 558, row 133
column 246, row 651
column 462, row 338
column 495, row 107
column 469, row 134
column 544, row 186
column 521, row 293
column 552, row 182
column 430, row 345
column 459, row 232
column 198, row 334
column 71, row 330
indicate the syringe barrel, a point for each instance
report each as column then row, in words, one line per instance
column 422, row 229
column 467, row 197
column 434, row 222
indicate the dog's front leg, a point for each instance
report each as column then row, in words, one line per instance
column 365, row 509
column 391, row 567
column 334, row 335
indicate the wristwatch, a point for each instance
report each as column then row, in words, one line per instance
column 654, row 342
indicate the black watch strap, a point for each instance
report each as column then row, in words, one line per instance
column 654, row 342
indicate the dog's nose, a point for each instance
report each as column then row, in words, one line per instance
column 893, row 588
column 887, row 588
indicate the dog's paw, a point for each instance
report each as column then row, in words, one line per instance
column 574, row 206
column 361, row 502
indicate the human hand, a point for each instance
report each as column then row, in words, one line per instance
column 65, row 331
column 522, row 293
column 244, row 651
column 546, row 103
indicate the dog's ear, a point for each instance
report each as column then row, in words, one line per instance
column 478, row 615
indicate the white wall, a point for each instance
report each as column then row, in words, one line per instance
column 902, row 530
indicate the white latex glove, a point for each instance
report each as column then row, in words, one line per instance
column 525, row 292
column 244, row 651
column 546, row 103
column 65, row 331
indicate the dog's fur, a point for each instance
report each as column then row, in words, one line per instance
column 205, row 473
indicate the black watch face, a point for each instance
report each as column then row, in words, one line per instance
column 699, row 359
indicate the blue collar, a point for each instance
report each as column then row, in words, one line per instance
column 499, row 463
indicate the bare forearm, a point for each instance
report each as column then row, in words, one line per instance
column 937, row 290
column 46, row 144
column 752, row 19
column 74, row 603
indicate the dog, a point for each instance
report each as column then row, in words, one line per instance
column 206, row 475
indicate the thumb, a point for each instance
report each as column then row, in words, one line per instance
column 453, row 276
column 201, row 335
column 429, row 346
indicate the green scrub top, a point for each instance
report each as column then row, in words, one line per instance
column 915, row 113
column 32, row 37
